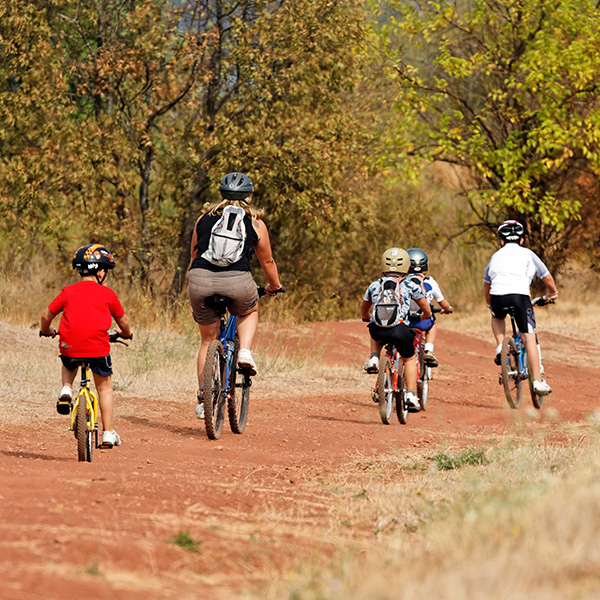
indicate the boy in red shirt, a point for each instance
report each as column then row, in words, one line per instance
column 88, row 310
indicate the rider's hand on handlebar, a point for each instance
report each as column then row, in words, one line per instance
column 51, row 333
column 271, row 290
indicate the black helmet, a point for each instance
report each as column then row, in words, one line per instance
column 89, row 259
column 235, row 186
column 511, row 231
column 419, row 263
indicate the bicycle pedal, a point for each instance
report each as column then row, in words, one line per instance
column 104, row 446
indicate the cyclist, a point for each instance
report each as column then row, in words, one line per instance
column 507, row 279
column 88, row 309
column 419, row 266
column 395, row 264
column 234, row 280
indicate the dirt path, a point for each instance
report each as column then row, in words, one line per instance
column 70, row 530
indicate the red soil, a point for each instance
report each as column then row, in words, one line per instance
column 71, row 530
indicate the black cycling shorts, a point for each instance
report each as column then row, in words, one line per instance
column 399, row 335
column 523, row 310
column 101, row 365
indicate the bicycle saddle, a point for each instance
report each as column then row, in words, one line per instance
column 218, row 302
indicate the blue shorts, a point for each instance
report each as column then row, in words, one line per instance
column 101, row 365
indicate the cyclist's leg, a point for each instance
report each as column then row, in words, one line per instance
column 533, row 355
column 410, row 373
column 246, row 326
column 499, row 331
column 68, row 376
column 104, row 388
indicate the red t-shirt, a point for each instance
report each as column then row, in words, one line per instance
column 88, row 310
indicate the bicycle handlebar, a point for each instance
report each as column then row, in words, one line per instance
column 542, row 301
column 262, row 291
column 114, row 337
column 53, row 333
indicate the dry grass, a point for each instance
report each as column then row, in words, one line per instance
column 525, row 525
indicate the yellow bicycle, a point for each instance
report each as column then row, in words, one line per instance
column 84, row 411
column 84, row 414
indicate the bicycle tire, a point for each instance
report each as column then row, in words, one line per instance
column 237, row 403
column 423, row 387
column 424, row 375
column 213, row 392
column 511, row 378
column 385, row 390
column 401, row 406
column 84, row 437
column 537, row 399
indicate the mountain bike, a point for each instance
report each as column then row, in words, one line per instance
column 423, row 369
column 84, row 414
column 390, row 386
column 84, row 411
column 225, row 383
column 515, row 364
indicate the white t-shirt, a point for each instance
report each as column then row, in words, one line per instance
column 432, row 292
column 511, row 270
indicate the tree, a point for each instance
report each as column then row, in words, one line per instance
column 508, row 91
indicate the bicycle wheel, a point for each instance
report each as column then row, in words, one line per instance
column 537, row 399
column 213, row 393
column 385, row 390
column 82, row 432
column 511, row 378
column 401, row 406
column 237, row 401
column 423, row 386
column 424, row 376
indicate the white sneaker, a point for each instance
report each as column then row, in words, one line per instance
column 110, row 438
column 411, row 400
column 63, row 406
column 372, row 365
column 541, row 388
column 246, row 361
column 200, row 410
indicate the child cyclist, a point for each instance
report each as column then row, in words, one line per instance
column 88, row 310
column 390, row 298
column 506, row 282
column 419, row 266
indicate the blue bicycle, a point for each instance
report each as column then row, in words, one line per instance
column 221, row 371
column 515, row 364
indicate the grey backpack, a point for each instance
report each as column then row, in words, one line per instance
column 227, row 237
column 387, row 308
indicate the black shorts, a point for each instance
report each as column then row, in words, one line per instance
column 523, row 310
column 101, row 365
column 399, row 335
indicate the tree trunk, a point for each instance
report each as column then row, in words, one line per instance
column 201, row 184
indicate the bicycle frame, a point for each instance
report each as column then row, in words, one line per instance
column 520, row 348
column 91, row 413
column 227, row 338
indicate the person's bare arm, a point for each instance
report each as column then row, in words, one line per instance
column 552, row 294
column 486, row 291
column 124, row 327
column 365, row 308
column 47, row 318
column 425, row 308
column 193, row 249
column 265, row 256
column 445, row 306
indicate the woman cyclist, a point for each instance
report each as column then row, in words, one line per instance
column 206, row 278
column 507, row 279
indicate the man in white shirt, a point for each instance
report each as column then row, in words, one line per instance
column 507, row 279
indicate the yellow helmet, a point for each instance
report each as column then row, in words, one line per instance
column 395, row 260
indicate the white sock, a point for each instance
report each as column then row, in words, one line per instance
column 428, row 347
column 499, row 349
